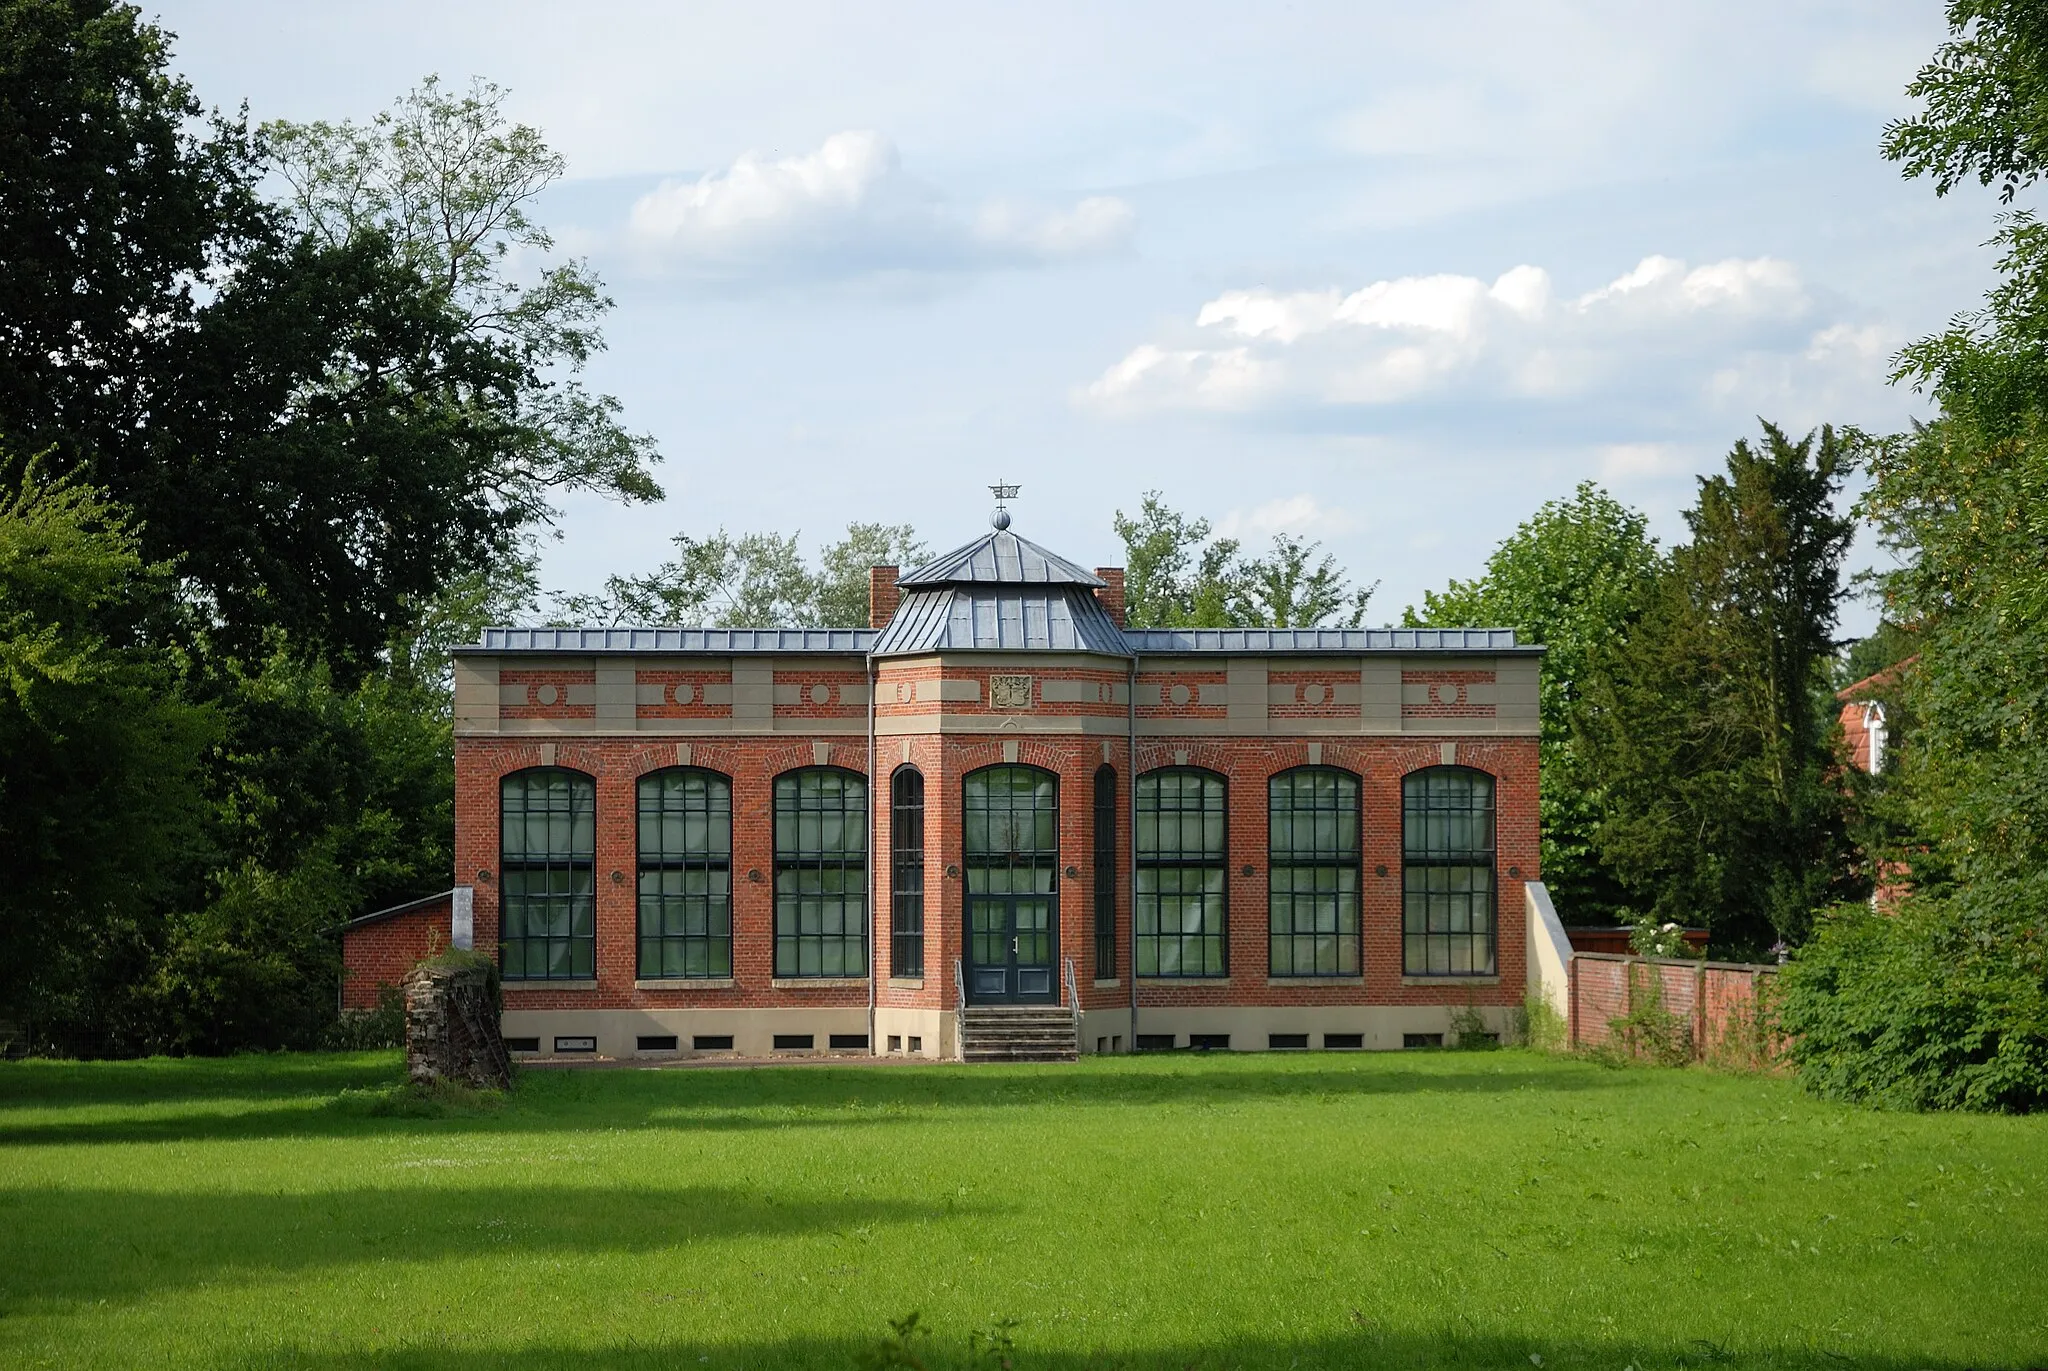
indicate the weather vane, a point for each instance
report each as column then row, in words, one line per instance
column 1001, row 518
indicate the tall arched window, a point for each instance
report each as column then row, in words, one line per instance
column 821, row 892
column 1447, row 907
column 1183, row 844
column 1010, row 847
column 685, row 874
column 1312, row 850
column 547, row 922
column 1105, row 872
column 906, row 873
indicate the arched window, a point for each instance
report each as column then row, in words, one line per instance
column 821, row 893
column 1183, row 844
column 547, row 923
column 1312, row 851
column 1447, row 923
column 685, row 874
column 906, row 873
column 1010, row 816
column 1105, row 872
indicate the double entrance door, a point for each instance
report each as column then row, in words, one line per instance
column 1011, row 816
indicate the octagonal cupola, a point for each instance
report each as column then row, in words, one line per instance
column 1000, row 593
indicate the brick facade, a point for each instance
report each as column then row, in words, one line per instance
column 754, row 706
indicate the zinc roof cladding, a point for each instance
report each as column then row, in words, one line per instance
column 722, row 641
column 1173, row 641
column 963, row 618
column 1000, row 619
column 1001, row 558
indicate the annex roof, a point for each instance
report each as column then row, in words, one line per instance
column 1173, row 641
column 721, row 641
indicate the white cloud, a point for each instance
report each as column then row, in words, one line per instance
column 848, row 208
column 1301, row 515
column 1660, row 334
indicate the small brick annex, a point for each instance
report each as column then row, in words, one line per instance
column 616, row 704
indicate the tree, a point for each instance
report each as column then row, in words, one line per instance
column 1281, row 590
column 1987, row 101
column 1174, row 575
column 448, row 182
column 1573, row 577
column 754, row 580
column 100, row 796
column 1177, row 576
column 309, row 414
column 1709, row 723
column 1943, row 1000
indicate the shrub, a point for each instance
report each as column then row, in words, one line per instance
column 359, row 1030
column 1649, row 1032
column 1941, row 1003
column 1469, row 1030
column 1539, row 1025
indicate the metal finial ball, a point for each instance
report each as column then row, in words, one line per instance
column 1001, row 518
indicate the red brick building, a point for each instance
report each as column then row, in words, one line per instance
column 994, row 798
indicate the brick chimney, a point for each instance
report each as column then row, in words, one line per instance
column 883, row 596
column 1111, row 596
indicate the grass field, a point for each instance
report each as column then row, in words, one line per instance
column 1420, row 1209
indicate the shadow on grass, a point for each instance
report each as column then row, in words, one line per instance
column 1440, row 1352
column 142, row 1244
column 297, row 1097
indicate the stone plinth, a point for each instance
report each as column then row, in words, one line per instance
column 451, row 1027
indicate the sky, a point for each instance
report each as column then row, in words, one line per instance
column 1384, row 275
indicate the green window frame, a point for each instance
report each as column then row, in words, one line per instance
column 1447, row 873
column 821, row 883
column 685, row 874
column 1312, row 856
column 1183, row 850
column 906, row 872
column 547, row 858
column 1105, row 872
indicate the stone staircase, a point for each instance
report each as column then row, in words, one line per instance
column 1019, row 1033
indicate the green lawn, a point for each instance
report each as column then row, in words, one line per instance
column 1422, row 1209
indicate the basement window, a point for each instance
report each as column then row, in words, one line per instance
column 916, row 1043
column 1284, row 1042
column 1339, row 1041
column 1419, row 1040
column 842, row 1042
column 522, row 1044
column 895, row 1042
column 656, row 1042
column 794, row 1042
column 577, row 1044
column 1155, row 1042
column 1209, row 1042
column 712, row 1042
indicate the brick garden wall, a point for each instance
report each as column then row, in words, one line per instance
column 1716, row 1002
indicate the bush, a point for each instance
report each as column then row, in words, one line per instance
column 1941, row 1004
column 1469, row 1030
column 1540, row 1026
column 359, row 1030
column 1649, row 1032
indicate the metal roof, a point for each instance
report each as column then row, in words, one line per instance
column 986, row 619
column 1000, row 557
column 716, row 640
column 962, row 618
column 1168, row 641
